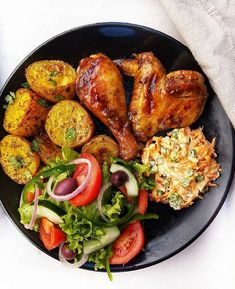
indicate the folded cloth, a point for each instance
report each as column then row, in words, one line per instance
column 208, row 28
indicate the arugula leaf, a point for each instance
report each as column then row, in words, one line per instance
column 107, row 264
column 147, row 216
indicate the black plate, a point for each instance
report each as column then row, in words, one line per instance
column 174, row 230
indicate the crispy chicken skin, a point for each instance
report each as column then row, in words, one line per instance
column 161, row 101
column 100, row 88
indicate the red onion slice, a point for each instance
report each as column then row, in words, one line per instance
column 35, row 209
column 79, row 189
column 99, row 200
column 78, row 264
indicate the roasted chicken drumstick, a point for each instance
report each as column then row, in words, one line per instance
column 161, row 101
column 99, row 87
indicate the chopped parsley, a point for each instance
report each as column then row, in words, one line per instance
column 53, row 82
column 9, row 99
column 25, row 84
column 43, row 103
column 17, row 162
column 35, row 146
column 53, row 73
column 59, row 97
column 70, row 134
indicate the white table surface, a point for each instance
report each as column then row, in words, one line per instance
column 207, row 263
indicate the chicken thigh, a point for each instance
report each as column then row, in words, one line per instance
column 161, row 101
column 100, row 88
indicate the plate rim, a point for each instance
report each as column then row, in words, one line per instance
column 232, row 168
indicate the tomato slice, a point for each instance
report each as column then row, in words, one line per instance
column 92, row 190
column 128, row 244
column 142, row 201
column 50, row 234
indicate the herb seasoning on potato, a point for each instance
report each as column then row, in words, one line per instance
column 69, row 124
column 53, row 80
column 24, row 115
column 18, row 161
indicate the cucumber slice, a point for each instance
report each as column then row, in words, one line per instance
column 111, row 235
column 131, row 184
column 49, row 210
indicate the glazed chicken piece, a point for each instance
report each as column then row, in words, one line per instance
column 161, row 101
column 99, row 87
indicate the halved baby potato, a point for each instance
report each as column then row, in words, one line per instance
column 102, row 147
column 69, row 124
column 25, row 115
column 18, row 161
column 47, row 150
column 53, row 80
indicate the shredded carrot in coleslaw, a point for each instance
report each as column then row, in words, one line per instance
column 184, row 166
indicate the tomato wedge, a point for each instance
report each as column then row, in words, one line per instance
column 50, row 234
column 124, row 191
column 93, row 187
column 142, row 201
column 30, row 196
column 128, row 244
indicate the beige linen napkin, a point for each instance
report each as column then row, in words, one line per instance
column 208, row 28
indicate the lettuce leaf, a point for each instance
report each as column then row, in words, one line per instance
column 26, row 211
column 79, row 229
column 113, row 210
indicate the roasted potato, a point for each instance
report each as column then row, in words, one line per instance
column 47, row 150
column 53, row 80
column 25, row 115
column 101, row 147
column 18, row 161
column 69, row 124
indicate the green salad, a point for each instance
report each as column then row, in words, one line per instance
column 90, row 213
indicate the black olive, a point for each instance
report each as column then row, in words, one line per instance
column 119, row 178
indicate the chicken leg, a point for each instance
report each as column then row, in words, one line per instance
column 99, row 87
column 161, row 101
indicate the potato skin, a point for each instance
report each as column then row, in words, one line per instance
column 69, row 124
column 18, row 161
column 101, row 147
column 53, row 80
column 47, row 150
column 25, row 115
